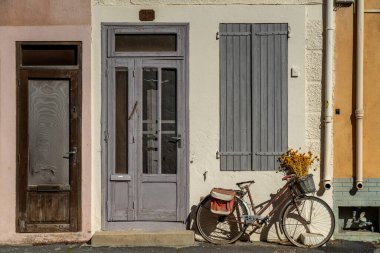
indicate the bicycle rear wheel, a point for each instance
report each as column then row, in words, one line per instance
column 308, row 222
column 221, row 229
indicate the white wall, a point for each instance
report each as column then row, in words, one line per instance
column 204, row 84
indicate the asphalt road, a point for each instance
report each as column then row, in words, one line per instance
column 333, row 246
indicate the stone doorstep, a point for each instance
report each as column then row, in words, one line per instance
column 358, row 236
column 142, row 238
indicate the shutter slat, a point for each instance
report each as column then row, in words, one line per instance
column 223, row 97
column 243, row 101
column 271, row 90
column 230, row 101
column 284, row 93
column 277, row 94
column 264, row 97
column 236, row 95
column 248, row 81
column 256, row 94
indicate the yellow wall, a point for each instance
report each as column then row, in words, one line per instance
column 344, row 123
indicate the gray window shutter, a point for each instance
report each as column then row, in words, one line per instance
column 235, row 97
column 269, row 94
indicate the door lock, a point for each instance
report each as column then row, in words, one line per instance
column 177, row 139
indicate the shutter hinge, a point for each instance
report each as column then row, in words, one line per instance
column 268, row 153
column 219, row 154
column 219, row 34
column 272, row 33
column 106, row 136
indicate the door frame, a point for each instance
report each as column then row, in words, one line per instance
column 74, row 73
column 106, row 30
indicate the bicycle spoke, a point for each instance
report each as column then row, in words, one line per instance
column 309, row 220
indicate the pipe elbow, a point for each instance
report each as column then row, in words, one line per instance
column 327, row 184
column 359, row 185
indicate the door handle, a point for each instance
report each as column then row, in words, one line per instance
column 72, row 152
column 177, row 139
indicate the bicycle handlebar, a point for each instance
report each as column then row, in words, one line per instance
column 287, row 177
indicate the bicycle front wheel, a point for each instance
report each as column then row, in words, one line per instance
column 308, row 222
column 221, row 229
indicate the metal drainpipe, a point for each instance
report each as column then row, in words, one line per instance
column 327, row 169
column 359, row 111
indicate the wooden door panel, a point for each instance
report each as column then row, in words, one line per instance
column 120, row 209
column 48, row 207
column 158, row 201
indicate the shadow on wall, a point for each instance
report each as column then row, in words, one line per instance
column 191, row 223
column 272, row 232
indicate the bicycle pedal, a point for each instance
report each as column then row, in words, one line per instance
column 265, row 220
column 249, row 219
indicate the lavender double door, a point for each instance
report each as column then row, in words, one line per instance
column 146, row 140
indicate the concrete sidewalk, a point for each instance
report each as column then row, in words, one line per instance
column 333, row 246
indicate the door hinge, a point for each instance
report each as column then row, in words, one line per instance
column 106, row 136
column 107, row 69
column 22, row 225
column 133, row 205
column 133, row 73
column 18, row 158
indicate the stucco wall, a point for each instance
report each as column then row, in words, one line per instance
column 205, row 2
column 344, row 130
column 45, row 12
column 9, row 35
column 204, row 84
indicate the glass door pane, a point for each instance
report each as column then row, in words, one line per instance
column 121, row 166
column 160, row 140
column 48, row 129
column 169, row 136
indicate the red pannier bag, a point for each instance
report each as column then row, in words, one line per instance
column 222, row 201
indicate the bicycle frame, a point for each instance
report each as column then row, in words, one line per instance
column 286, row 190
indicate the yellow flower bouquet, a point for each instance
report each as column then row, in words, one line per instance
column 298, row 163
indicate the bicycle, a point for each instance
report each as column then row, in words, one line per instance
column 306, row 221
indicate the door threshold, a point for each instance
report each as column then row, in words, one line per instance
column 171, row 238
column 144, row 226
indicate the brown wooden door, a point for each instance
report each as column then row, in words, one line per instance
column 48, row 150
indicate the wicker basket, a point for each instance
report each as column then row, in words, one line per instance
column 305, row 185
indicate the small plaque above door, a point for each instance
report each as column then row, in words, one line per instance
column 146, row 15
